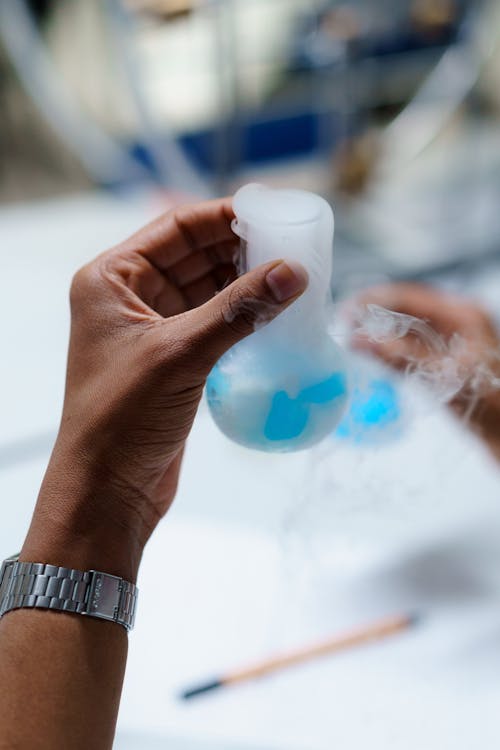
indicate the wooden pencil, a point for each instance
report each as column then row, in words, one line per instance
column 374, row 632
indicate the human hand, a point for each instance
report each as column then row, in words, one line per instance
column 147, row 327
column 456, row 330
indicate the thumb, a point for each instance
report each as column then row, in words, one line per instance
column 252, row 300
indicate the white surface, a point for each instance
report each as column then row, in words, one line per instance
column 432, row 687
column 262, row 552
column 41, row 246
column 147, row 741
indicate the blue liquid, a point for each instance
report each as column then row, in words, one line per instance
column 374, row 412
column 288, row 417
column 280, row 406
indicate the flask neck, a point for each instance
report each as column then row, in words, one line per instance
column 303, row 323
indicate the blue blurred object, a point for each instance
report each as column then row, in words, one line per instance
column 374, row 412
column 265, row 136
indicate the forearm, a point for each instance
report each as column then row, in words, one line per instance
column 150, row 318
column 62, row 673
column 61, row 680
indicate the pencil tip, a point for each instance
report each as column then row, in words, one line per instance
column 414, row 618
column 205, row 688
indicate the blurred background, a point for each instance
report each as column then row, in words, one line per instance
column 112, row 111
column 389, row 108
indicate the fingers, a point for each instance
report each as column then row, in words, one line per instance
column 253, row 299
column 178, row 261
column 173, row 264
column 198, row 264
column 186, row 230
column 200, row 291
column 398, row 354
column 446, row 313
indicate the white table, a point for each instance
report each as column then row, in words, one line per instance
column 261, row 553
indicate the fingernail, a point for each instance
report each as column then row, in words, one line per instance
column 286, row 280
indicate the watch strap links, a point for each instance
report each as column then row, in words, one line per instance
column 92, row 593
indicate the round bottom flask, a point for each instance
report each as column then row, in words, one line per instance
column 284, row 388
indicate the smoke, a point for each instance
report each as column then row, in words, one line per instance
column 401, row 469
column 385, row 477
column 447, row 367
column 382, row 326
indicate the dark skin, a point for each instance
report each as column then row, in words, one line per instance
column 478, row 350
column 149, row 319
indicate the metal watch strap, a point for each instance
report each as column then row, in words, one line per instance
column 96, row 594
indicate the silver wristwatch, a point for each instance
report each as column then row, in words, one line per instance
column 96, row 594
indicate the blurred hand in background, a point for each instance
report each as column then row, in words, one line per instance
column 467, row 333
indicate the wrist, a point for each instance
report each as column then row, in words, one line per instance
column 48, row 543
column 83, row 522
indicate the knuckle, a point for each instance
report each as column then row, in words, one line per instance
column 86, row 284
column 79, row 285
column 240, row 312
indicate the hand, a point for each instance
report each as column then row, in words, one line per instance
column 149, row 320
column 465, row 332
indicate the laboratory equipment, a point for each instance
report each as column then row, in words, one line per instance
column 285, row 387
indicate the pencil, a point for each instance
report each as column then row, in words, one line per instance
column 374, row 632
